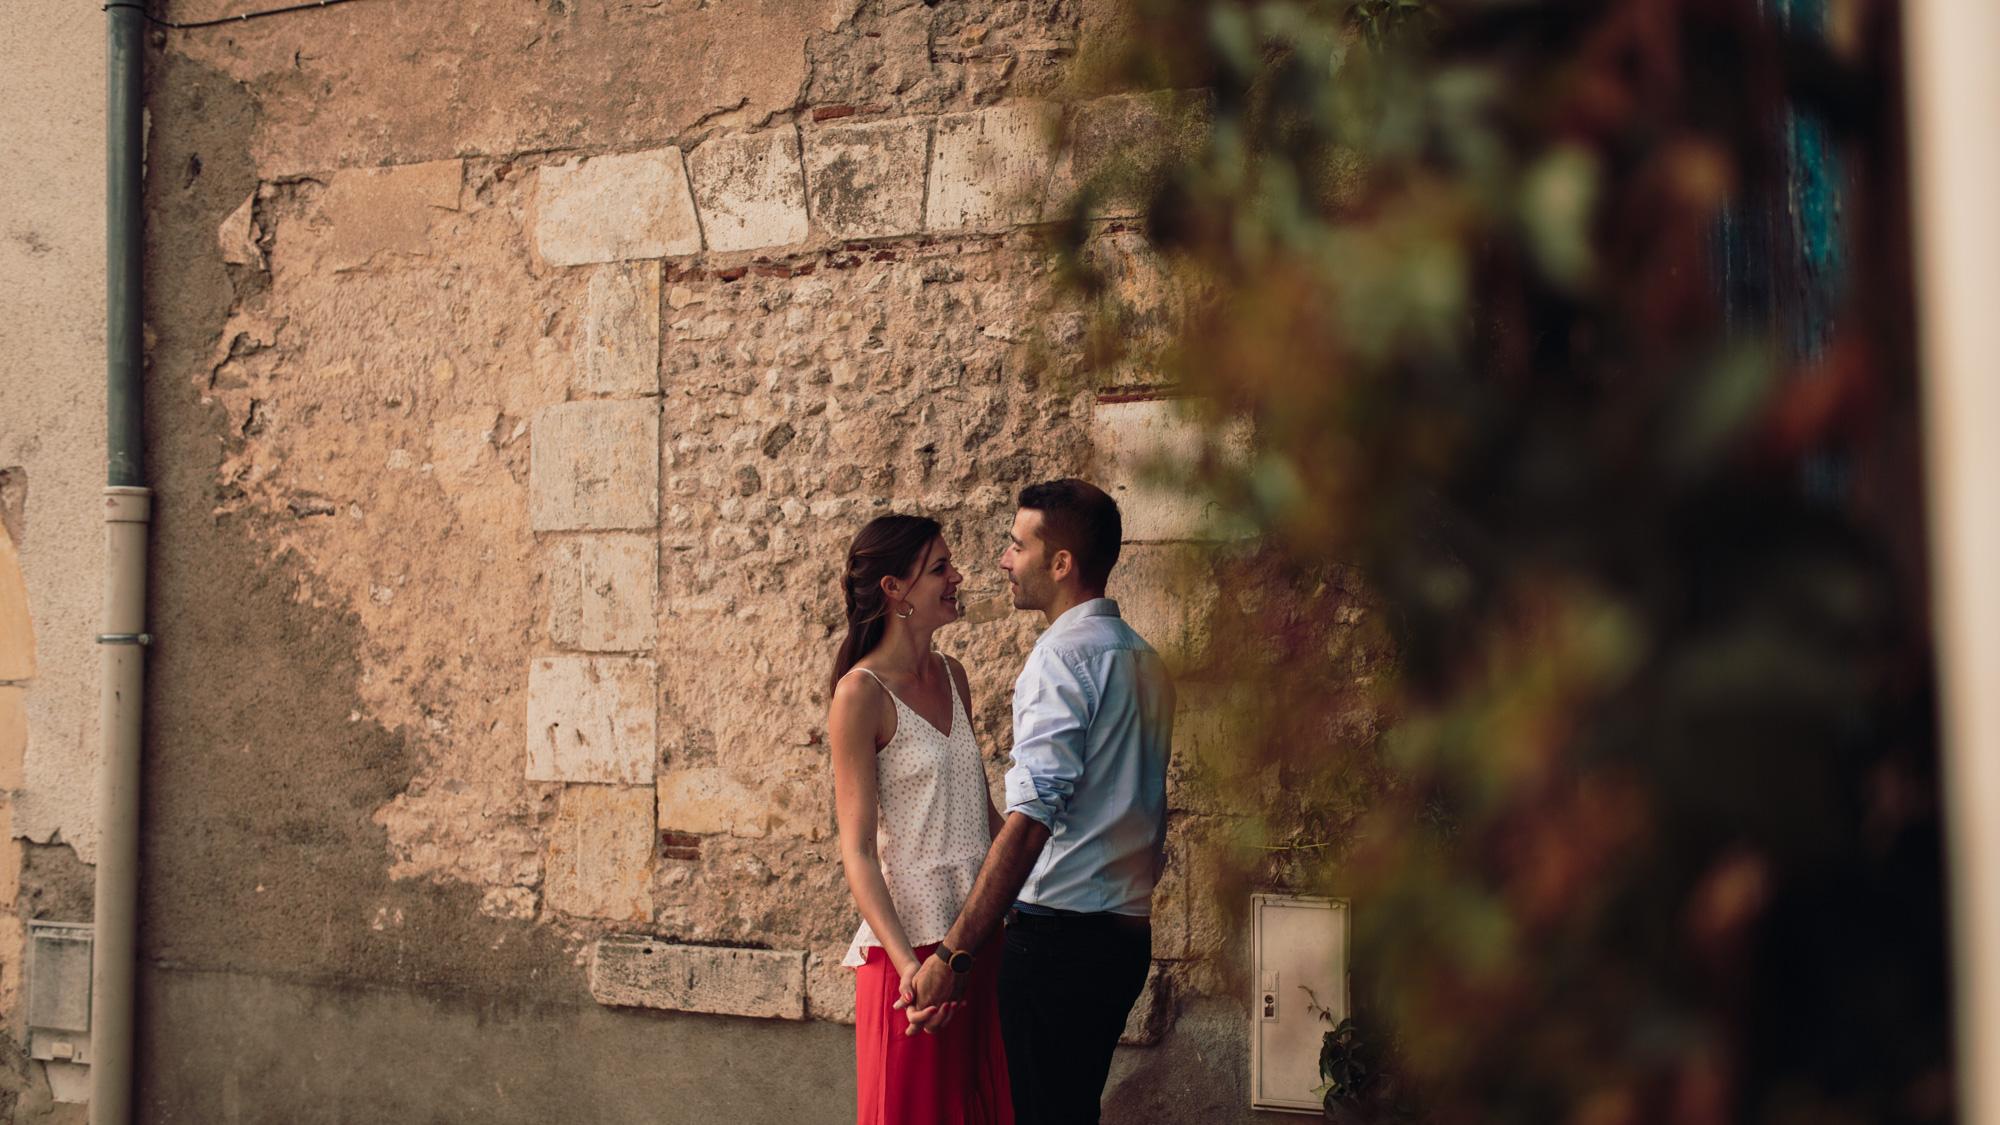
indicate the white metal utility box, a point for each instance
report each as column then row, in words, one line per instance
column 1299, row 949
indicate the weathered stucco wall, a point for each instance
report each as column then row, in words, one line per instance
column 519, row 377
column 51, row 473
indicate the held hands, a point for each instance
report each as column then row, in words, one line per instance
column 929, row 996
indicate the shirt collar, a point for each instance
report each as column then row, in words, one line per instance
column 1095, row 607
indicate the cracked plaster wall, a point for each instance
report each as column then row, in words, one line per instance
column 465, row 386
column 51, row 473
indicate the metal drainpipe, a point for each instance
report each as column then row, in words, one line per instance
column 127, row 509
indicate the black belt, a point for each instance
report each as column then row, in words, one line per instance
column 1070, row 920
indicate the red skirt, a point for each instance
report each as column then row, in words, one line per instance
column 957, row 1076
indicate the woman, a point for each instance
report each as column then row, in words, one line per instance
column 915, row 822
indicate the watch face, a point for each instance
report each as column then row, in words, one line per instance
column 961, row 963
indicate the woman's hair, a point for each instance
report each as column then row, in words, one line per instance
column 888, row 546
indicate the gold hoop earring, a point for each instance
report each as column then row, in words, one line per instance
column 908, row 609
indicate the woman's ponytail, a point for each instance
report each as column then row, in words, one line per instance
column 888, row 546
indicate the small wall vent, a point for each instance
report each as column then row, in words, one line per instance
column 59, row 991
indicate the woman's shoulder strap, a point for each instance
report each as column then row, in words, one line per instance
column 886, row 689
column 951, row 678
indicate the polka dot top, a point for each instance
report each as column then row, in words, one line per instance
column 930, row 827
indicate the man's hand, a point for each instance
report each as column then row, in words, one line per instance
column 929, row 999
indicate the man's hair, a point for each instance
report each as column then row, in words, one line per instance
column 1079, row 518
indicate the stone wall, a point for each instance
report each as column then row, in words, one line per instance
column 519, row 379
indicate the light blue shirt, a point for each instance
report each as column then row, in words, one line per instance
column 1093, row 729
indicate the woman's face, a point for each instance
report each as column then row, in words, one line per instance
column 931, row 591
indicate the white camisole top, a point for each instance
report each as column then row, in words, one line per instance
column 930, row 827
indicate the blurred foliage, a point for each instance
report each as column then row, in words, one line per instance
column 1616, row 733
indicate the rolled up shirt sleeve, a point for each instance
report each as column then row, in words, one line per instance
column 1052, row 706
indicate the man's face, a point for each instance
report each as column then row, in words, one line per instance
column 1027, row 563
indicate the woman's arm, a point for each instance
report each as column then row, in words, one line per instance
column 851, row 728
column 964, row 683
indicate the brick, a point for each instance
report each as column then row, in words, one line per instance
column 599, row 861
column 680, row 845
column 615, row 208
column 638, row 972
column 592, row 718
column 989, row 169
column 866, row 180
column 750, row 190
column 595, row 466
column 602, row 592
column 1152, row 1015
column 619, row 345
column 372, row 211
column 1143, row 455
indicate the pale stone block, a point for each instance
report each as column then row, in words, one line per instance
column 10, row 857
column 615, row 208
column 372, row 211
column 619, row 344
column 13, row 735
column 17, row 628
column 1170, row 905
column 1168, row 593
column 591, row 718
column 866, row 180
column 750, row 190
column 602, row 592
column 1207, row 724
column 830, row 986
column 1213, row 928
column 13, row 939
column 1152, row 1015
column 709, row 800
column 600, row 853
column 989, row 168
column 1109, row 138
column 595, row 466
column 1144, row 456
column 638, row 972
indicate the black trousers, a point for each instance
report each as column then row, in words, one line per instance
column 1067, row 982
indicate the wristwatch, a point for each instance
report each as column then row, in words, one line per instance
column 960, row 962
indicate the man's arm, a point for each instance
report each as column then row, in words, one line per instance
column 1052, row 709
column 1008, row 862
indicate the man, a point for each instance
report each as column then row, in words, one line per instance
column 1074, row 864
